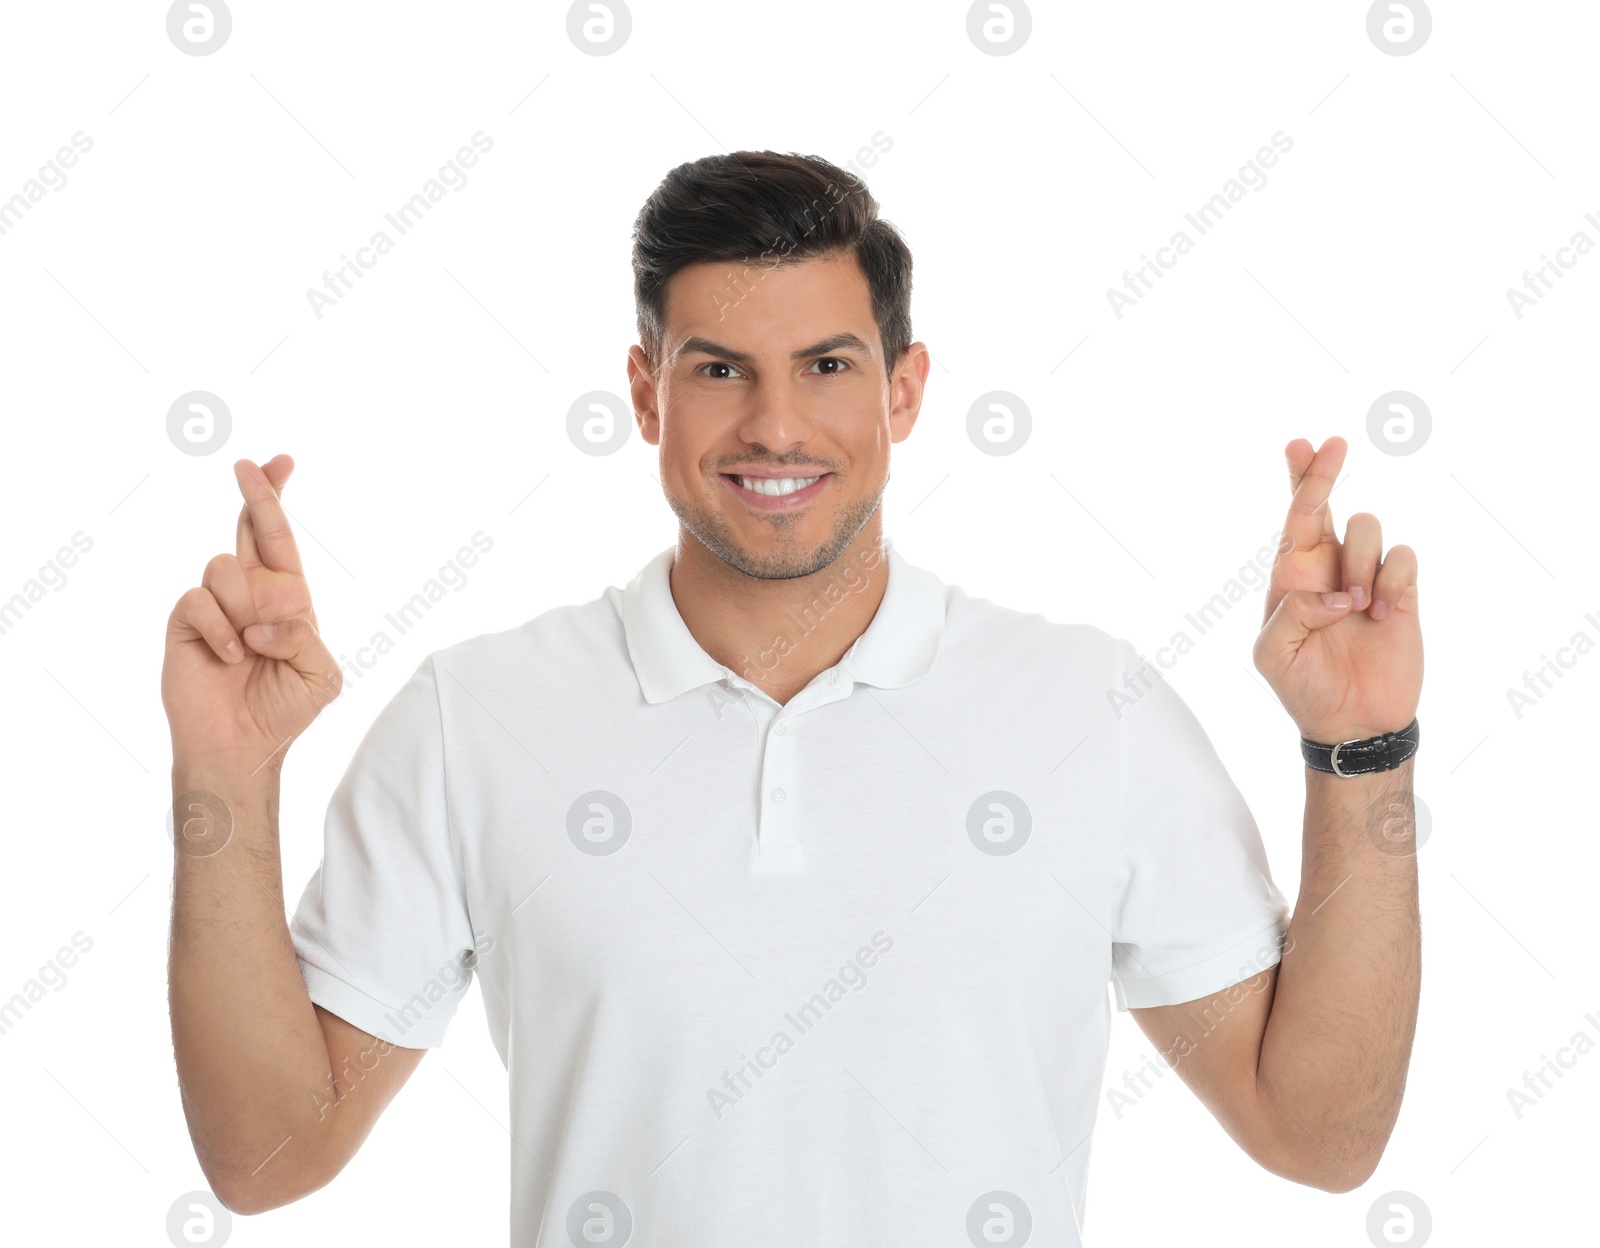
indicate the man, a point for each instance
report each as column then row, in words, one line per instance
column 793, row 877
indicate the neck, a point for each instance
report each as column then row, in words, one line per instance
column 779, row 634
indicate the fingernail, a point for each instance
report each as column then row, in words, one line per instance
column 1379, row 610
column 231, row 648
column 267, row 630
column 1358, row 596
column 1337, row 599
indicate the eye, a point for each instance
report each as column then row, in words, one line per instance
column 715, row 364
column 833, row 359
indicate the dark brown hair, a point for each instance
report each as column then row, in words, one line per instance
column 761, row 209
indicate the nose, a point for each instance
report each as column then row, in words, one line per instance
column 778, row 418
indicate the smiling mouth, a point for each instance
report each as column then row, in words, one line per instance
column 777, row 493
column 774, row 487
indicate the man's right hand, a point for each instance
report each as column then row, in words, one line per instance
column 246, row 671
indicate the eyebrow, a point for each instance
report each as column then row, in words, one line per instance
column 834, row 342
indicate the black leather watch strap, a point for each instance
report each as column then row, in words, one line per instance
column 1355, row 758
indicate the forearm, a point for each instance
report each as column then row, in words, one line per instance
column 1338, row 1039
column 249, row 1049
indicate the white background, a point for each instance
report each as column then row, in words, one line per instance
column 432, row 399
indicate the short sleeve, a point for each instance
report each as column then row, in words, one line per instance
column 382, row 930
column 1195, row 906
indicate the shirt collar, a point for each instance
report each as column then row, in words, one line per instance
column 899, row 645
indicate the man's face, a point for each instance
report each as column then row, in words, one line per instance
column 773, row 378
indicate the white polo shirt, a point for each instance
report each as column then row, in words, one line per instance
column 833, row 972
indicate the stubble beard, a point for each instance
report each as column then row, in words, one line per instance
column 714, row 533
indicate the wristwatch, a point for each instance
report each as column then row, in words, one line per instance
column 1358, row 757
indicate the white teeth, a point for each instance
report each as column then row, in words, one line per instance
column 776, row 486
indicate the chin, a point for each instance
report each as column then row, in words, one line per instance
column 776, row 548
column 780, row 561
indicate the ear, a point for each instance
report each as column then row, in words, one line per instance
column 642, row 390
column 906, row 385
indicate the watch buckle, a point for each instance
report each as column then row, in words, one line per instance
column 1333, row 759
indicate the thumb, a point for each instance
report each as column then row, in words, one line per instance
column 298, row 643
column 1300, row 613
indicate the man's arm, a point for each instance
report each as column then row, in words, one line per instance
column 1304, row 1065
column 278, row 1093
column 1306, row 1073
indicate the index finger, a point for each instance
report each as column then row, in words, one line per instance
column 1310, row 519
column 266, row 540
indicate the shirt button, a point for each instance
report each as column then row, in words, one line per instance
column 778, row 795
column 782, row 728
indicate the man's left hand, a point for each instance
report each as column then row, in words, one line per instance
column 1350, row 666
